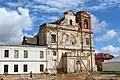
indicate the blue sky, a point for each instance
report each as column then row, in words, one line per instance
column 23, row 17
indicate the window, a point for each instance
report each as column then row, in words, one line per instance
column 41, row 67
column 6, row 53
column 53, row 38
column 70, row 22
column 73, row 40
column 41, row 54
column 54, row 53
column 25, row 68
column 87, row 41
column 5, row 68
column 15, row 68
column 85, row 24
column 16, row 53
column 25, row 54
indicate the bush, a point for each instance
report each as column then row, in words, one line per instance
column 1, row 79
column 117, row 73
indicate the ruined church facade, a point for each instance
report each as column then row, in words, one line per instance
column 69, row 43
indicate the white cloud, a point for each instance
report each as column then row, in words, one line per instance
column 62, row 4
column 17, row 3
column 49, row 5
column 97, row 25
column 47, row 8
column 12, row 24
column 108, row 36
column 13, row 4
column 80, row 4
column 111, row 50
column 104, row 4
column 24, row 20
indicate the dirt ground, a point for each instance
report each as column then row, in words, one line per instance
column 62, row 77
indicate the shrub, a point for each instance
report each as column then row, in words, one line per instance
column 117, row 73
column 1, row 79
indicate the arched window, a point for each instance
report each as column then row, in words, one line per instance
column 70, row 22
column 85, row 24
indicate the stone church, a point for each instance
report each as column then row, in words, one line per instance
column 69, row 43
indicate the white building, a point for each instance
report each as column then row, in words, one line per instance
column 19, row 59
column 111, row 65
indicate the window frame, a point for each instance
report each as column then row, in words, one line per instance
column 6, row 69
column 86, row 23
column 25, row 68
column 54, row 53
column 6, row 54
column 25, row 53
column 53, row 38
column 41, row 54
column 16, row 53
column 16, row 68
column 70, row 21
column 87, row 41
column 41, row 68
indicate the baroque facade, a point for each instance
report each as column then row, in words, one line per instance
column 69, row 41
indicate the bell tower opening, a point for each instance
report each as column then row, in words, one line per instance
column 85, row 24
column 70, row 22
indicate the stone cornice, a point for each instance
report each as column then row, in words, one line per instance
column 71, row 49
column 53, row 26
